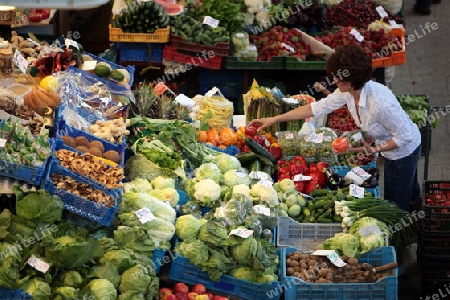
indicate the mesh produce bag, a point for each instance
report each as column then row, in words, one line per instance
column 221, row 109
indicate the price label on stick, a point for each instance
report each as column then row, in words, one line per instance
column 38, row 264
column 144, row 215
column 242, row 232
column 356, row 191
column 357, row 35
column 289, row 48
column 2, row 143
column 69, row 42
column 211, row 21
column 336, row 260
column 381, row 11
column 266, row 183
column 262, row 210
column 20, row 61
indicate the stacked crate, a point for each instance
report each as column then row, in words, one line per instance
column 434, row 243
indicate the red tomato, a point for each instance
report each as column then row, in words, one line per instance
column 180, row 288
column 199, row 288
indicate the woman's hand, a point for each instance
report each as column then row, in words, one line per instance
column 365, row 148
column 262, row 123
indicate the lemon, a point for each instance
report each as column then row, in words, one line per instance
column 49, row 83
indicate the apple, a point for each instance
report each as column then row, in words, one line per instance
column 180, row 288
column 202, row 297
column 199, row 288
column 192, row 296
column 217, row 297
column 210, row 295
column 169, row 297
column 164, row 291
column 181, row 296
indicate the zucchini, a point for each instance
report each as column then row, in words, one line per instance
column 255, row 166
column 245, row 157
column 222, row 39
column 258, row 149
column 319, row 193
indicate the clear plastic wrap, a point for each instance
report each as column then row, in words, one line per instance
column 324, row 151
column 91, row 99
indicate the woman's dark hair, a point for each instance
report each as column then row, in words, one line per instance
column 352, row 64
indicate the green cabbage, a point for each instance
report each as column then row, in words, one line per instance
column 208, row 170
column 166, row 194
column 38, row 205
column 135, row 239
column 137, row 185
column 244, row 252
column 162, row 182
column 160, row 229
column 65, row 293
column 195, row 251
column 213, row 233
column 371, row 233
column 121, row 259
column 227, row 162
column 99, row 289
column 37, row 288
column 138, row 166
column 236, row 176
column 10, row 263
column 132, row 202
column 131, row 296
column 71, row 279
column 345, row 243
column 135, row 279
column 5, row 223
column 106, row 271
column 187, row 227
column 244, row 273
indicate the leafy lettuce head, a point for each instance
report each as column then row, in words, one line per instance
column 227, row 162
column 208, row 170
column 99, row 289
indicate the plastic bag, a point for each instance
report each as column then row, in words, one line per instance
column 9, row 101
column 221, row 109
column 325, row 152
column 90, row 98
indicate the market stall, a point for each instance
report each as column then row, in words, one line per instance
column 130, row 189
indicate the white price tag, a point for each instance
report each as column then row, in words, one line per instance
column 185, row 101
column 252, row 48
column 144, row 215
column 242, row 232
column 318, row 138
column 266, row 183
column 300, row 177
column 258, row 175
column 289, row 136
column 381, row 11
column 240, row 35
column 240, row 173
column 2, row 143
column 290, row 48
column 266, row 142
column 89, row 65
column 211, row 21
column 394, row 24
column 336, row 260
column 262, row 210
column 323, row 252
column 327, row 138
column 361, row 173
column 20, row 61
column 38, row 264
column 33, row 41
column 356, row 191
column 357, row 35
column 368, row 230
column 69, row 42
column 357, row 137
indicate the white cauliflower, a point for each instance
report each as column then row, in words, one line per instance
column 207, row 192
column 262, row 194
column 242, row 189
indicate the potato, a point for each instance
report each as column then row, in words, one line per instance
column 290, row 271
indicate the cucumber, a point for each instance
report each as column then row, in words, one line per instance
column 306, row 212
column 255, row 166
column 258, row 149
column 222, row 39
column 319, row 193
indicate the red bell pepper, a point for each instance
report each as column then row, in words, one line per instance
column 282, row 163
column 300, row 186
column 282, row 176
column 321, row 165
column 251, row 130
column 259, row 139
column 312, row 168
column 285, row 169
column 297, row 169
column 311, row 186
column 319, row 177
column 275, row 151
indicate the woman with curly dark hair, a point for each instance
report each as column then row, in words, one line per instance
column 375, row 110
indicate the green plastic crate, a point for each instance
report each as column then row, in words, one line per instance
column 232, row 62
column 292, row 63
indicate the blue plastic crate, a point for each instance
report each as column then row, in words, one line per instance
column 231, row 150
column 185, row 198
column 114, row 66
column 159, row 259
column 375, row 191
column 92, row 79
column 343, row 170
column 6, row 294
column 182, row 270
column 65, row 129
column 141, row 52
column 78, row 205
column 384, row 289
column 31, row 175
column 229, row 82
